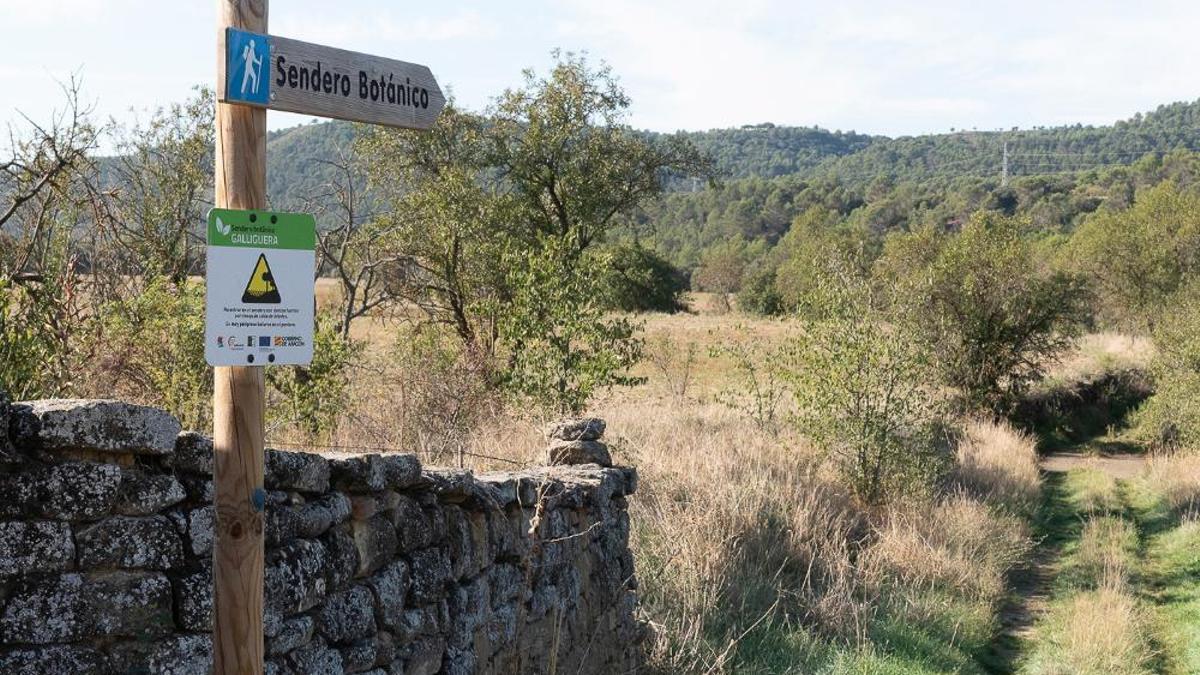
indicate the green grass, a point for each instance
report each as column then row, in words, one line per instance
column 1094, row 623
column 1170, row 577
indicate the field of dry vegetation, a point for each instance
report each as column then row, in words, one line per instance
column 752, row 555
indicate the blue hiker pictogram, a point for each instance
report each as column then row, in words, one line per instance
column 245, row 54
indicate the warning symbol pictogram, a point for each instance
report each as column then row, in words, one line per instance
column 261, row 287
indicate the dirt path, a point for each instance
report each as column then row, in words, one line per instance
column 1120, row 465
column 1032, row 584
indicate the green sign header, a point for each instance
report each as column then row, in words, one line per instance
column 262, row 229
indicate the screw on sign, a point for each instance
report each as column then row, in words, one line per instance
column 259, row 306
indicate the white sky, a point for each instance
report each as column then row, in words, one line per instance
column 868, row 65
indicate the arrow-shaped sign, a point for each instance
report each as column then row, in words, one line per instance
column 284, row 74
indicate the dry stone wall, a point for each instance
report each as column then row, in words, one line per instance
column 374, row 563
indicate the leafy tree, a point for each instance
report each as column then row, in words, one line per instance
column 862, row 385
column 487, row 209
column 1171, row 417
column 562, row 347
column 720, row 271
column 636, row 279
column 992, row 318
column 159, row 187
column 1141, row 257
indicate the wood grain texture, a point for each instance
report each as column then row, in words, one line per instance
column 415, row 102
column 238, row 395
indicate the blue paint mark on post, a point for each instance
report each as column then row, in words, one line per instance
column 247, row 69
column 259, row 499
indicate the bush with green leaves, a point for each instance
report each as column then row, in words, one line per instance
column 34, row 355
column 638, row 279
column 863, row 391
column 311, row 398
column 1140, row 257
column 1170, row 418
column 991, row 315
column 562, row 347
column 150, row 348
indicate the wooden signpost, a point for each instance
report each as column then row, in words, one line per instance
column 257, row 71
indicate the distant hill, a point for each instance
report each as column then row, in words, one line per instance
column 1031, row 151
column 770, row 151
column 298, row 160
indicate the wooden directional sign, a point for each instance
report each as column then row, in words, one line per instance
column 283, row 74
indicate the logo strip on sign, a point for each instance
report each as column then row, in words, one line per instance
column 285, row 74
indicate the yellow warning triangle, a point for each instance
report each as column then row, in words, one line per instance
column 261, row 287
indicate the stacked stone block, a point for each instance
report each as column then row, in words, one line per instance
column 374, row 564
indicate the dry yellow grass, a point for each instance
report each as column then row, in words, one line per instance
column 1107, row 551
column 1097, row 353
column 960, row 545
column 1101, row 632
column 1177, row 478
column 999, row 464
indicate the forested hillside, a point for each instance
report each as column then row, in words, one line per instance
column 771, row 174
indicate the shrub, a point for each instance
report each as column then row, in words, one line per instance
column 859, row 382
column 992, row 318
column 313, row 397
column 1171, row 417
column 151, row 349
column 759, row 294
column 1140, row 257
column 637, row 279
column 33, row 353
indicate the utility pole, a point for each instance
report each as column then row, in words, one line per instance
column 238, row 400
column 1004, row 167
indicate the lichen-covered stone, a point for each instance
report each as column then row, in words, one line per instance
column 414, row 530
column 342, row 553
column 35, row 546
column 400, row 470
column 360, row 656
column 430, row 570
column 423, row 657
column 390, row 586
column 375, row 539
column 347, row 616
column 200, row 523
column 143, row 493
column 470, row 605
column 576, row 429
column 148, row 542
column 293, row 634
column 7, row 451
column 358, row 473
column 192, row 591
column 578, row 452
column 193, row 454
column 295, row 579
column 506, row 582
column 300, row 471
column 315, row 657
column 101, row 425
column 176, row 655
column 129, row 604
column 67, row 659
column 46, row 610
column 76, row 490
column 453, row 486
